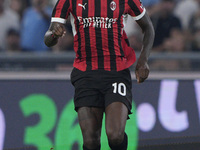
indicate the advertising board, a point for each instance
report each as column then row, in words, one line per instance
column 39, row 114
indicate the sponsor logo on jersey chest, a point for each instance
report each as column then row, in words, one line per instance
column 97, row 22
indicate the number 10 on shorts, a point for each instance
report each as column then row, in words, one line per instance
column 119, row 88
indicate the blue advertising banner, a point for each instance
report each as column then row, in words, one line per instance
column 39, row 114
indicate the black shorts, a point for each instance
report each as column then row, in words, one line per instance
column 99, row 88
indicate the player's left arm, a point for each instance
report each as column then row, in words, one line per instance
column 142, row 67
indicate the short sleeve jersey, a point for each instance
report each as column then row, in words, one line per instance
column 98, row 28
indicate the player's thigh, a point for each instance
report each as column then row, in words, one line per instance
column 116, row 115
column 90, row 120
column 119, row 89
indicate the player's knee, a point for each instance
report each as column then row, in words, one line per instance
column 90, row 142
column 115, row 137
column 91, row 139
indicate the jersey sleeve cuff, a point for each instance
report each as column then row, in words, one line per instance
column 60, row 20
column 140, row 16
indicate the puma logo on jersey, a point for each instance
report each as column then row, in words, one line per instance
column 82, row 5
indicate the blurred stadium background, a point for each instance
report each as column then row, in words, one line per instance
column 36, row 106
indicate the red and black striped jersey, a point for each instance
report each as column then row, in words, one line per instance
column 98, row 27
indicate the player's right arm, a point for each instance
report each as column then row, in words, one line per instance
column 56, row 30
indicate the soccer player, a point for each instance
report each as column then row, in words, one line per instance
column 101, row 76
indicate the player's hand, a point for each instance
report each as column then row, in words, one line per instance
column 141, row 71
column 58, row 30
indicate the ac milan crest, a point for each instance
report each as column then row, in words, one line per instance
column 113, row 5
